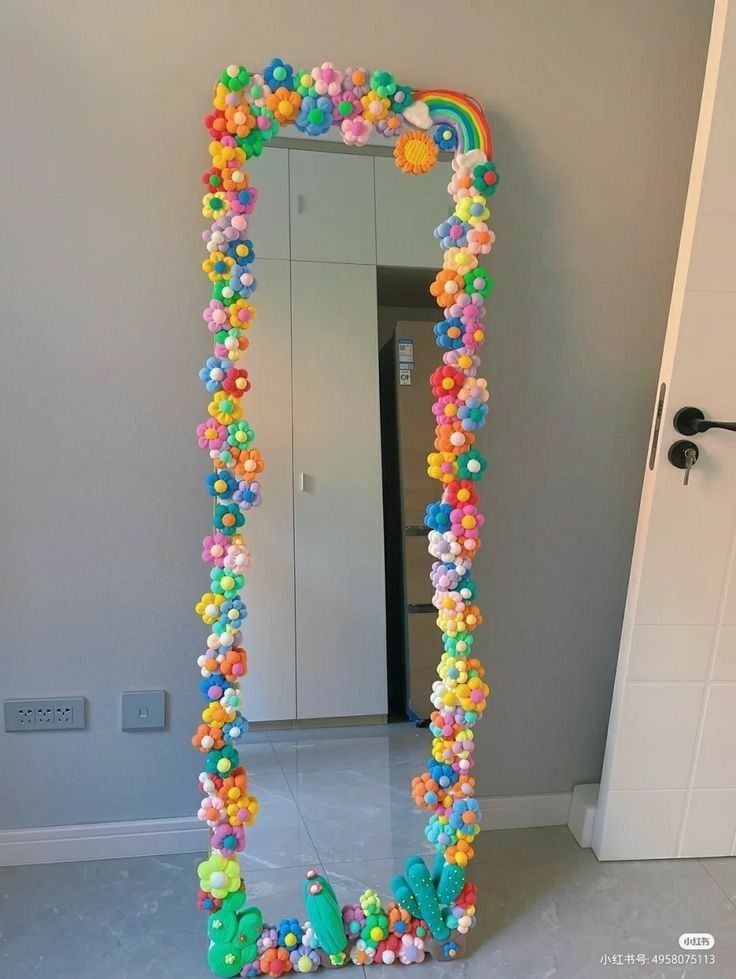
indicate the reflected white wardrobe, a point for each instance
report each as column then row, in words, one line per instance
column 316, row 631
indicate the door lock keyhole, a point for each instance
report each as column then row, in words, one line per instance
column 683, row 454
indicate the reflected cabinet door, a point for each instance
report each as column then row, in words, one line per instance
column 268, row 226
column 268, row 632
column 408, row 209
column 332, row 213
column 338, row 507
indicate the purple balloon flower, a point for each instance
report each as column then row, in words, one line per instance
column 228, row 839
column 248, row 494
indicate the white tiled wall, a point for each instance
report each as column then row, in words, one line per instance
column 669, row 782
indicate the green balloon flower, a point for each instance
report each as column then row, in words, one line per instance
column 240, row 434
column 383, row 84
column 235, row 77
column 478, row 280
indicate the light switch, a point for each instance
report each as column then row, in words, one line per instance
column 144, row 710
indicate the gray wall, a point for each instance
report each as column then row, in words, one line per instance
column 593, row 106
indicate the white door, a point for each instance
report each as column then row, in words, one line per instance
column 332, row 214
column 669, row 780
column 268, row 632
column 338, row 509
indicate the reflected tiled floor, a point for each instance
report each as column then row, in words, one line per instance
column 339, row 800
column 320, row 789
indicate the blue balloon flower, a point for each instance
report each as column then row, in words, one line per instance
column 214, row 686
column 444, row 775
column 472, row 416
column 213, row 373
column 242, row 281
column 437, row 516
column 232, row 613
column 445, row 137
column 241, row 251
column 448, row 333
column 315, row 115
column 236, row 729
column 290, row 933
column 452, row 233
column 451, row 949
column 277, row 74
column 459, row 808
column 221, row 483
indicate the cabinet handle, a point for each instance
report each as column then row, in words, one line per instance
column 302, row 482
column 300, row 203
column 416, row 530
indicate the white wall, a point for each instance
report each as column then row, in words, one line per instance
column 593, row 106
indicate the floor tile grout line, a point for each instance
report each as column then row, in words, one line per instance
column 717, row 883
column 298, row 808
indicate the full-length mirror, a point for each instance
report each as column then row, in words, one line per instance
column 346, row 397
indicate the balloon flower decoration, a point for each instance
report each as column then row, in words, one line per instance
column 433, row 907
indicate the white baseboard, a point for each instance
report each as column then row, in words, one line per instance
column 100, row 841
column 185, row 834
column 525, row 811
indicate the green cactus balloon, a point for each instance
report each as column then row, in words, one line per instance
column 250, row 925
column 221, row 927
column 225, row 960
column 234, row 901
column 422, row 894
column 233, row 936
column 449, row 879
column 325, row 915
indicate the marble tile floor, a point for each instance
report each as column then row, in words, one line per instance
column 549, row 909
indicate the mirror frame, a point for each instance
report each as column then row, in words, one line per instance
column 434, row 908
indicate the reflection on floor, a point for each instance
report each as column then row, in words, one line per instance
column 339, row 800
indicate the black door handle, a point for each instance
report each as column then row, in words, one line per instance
column 692, row 421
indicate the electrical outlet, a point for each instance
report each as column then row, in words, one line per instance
column 63, row 717
column 24, row 717
column 47, row 714
column 44, row 717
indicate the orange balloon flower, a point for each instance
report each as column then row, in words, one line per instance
column 424, row 785
column 235, row 664
column 249, row 464
column 206, row 738
column 239, row 120
column 461, row 853
column 284, row 104
column 447, row 286
column 452, row 437
column 234, row 787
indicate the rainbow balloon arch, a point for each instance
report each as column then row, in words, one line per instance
column 434, row 908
